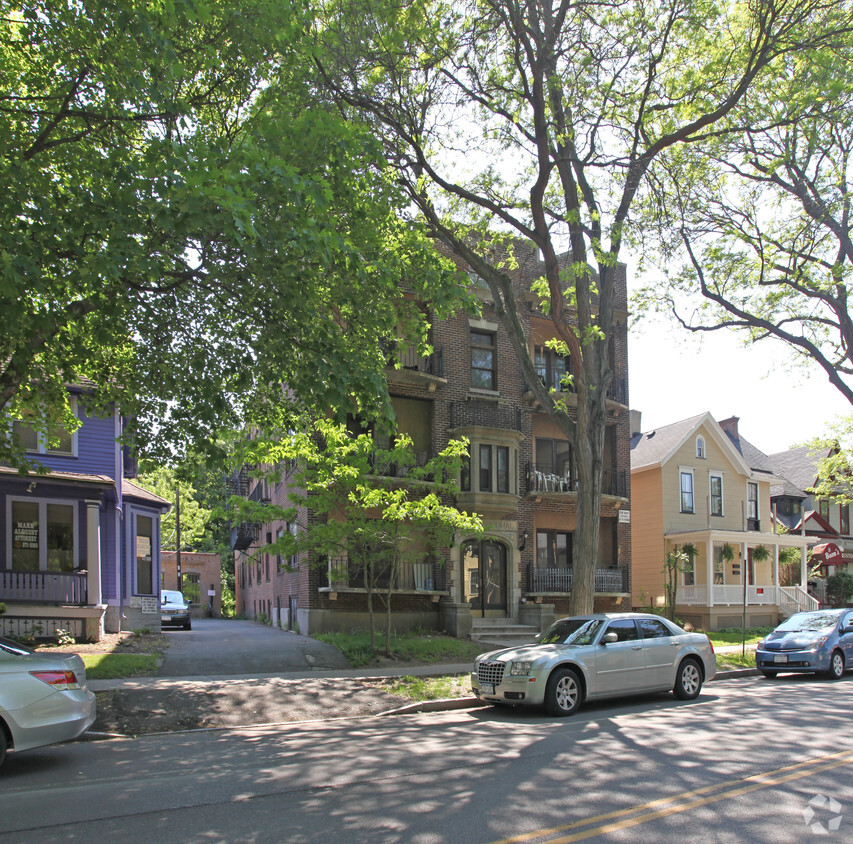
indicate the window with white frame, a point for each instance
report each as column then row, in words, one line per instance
column 494, row 470
column 144, row 555
column 483, row 364
column 752, row 501
column 716, row 487
column 687, row 491
column 688, row 571
column 700, row 447
column 59, row 441
column 43, row 535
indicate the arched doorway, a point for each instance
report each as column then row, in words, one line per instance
column 484, row 578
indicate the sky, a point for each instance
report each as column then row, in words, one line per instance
column 674, row 375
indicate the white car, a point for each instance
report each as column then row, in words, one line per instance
column 43, row 698
column 596, row 656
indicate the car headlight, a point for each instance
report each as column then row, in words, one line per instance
column 817, row 644
column 519, row 668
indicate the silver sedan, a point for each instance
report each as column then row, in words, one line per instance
column 596, row 656
column 43, row 698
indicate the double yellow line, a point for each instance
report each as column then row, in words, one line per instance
column 645, row 812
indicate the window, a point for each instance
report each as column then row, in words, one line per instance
column 192, row 587
column 465, row 474
column 63, row 441
column 552, row 368
column 719, row 566
column 144, row 558
column 483, row 360
column 686, row 492
column 688, row 571
column 485, row 468
column 654, row 629
column 824, row 509
column 700, row 447
column 554, row 457
column 501, row 468
column 752, row 501
column 553, row 549
column 624, row 628
column 844, row 518
column 716, row 495
column 43, row 536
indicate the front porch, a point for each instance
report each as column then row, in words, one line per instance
column 729, row 579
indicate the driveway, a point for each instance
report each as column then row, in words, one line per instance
column 222, row 647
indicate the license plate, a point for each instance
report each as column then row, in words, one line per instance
column 487, row 688
column 780, row 658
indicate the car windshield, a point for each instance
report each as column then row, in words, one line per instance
column 809, row 622
column 171, row 598
column 571, row 631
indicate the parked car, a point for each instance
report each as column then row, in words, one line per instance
column 596, row 656
column 43, row 698
column 819, row 642
column 175, row 609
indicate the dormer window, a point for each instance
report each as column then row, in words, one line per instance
column 700, row 447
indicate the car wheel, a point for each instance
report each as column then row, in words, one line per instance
column 770, row 674
column 563, row 692
column 688, row 680
column 836, row 666
column 188, row 625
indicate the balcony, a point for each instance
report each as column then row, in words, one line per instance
column 543, row 480
column 244, row 536
column 387, row 469
column 410, row 576
column 545, row 581
column 423, row 370
column 483, row 414
column 44, row 587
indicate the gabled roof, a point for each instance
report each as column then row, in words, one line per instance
column 818, row 523
column 798, row 466
column 654, row 448
column 132, row 490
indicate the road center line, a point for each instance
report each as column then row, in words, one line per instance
column 686, row 800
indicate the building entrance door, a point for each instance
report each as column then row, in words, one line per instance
column 484, row 578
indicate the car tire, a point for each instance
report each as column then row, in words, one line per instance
column 769, row 674
column 563, row 693
column 2, row 742
column 836, row 666
column 188, row 625
column 688, row 680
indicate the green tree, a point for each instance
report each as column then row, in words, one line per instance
column 546, row 121
column 185, row 226
column 678, row 561
column 753, row 226
column 375, row 522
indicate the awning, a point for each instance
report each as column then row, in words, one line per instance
column 827, row 554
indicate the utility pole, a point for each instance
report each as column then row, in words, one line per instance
column 178, row 536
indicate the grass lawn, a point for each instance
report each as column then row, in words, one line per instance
column 736, row 660
column 119, row 666
column 414, row 648
column 429, row 688
column 734, row 636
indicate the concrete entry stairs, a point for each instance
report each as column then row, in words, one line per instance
column 503, row 632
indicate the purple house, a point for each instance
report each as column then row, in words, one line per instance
column 79, row 546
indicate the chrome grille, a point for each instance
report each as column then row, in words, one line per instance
column 490, row 672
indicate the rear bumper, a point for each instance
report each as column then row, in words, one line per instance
column 61, row 716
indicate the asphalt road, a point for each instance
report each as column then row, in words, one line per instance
column 215, row 648
column 750, row 760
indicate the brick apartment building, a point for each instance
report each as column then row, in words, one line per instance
column 522, row 481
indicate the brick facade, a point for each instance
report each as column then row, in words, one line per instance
column 537, row 507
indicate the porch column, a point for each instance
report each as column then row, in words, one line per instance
column 93, row 554
column 776, row 565
column 804, row 573
column 709, row 569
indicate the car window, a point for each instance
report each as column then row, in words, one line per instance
column 167, row 597
column 624, row 628
column 654, row 629
column 809, row 622
column 571, row 631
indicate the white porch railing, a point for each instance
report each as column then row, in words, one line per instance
column 790, row 599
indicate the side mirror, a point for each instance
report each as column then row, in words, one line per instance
column 609, row 638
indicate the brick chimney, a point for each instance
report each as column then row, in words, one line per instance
column 730, row 426
column 636, row 419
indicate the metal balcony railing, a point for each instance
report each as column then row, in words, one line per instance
column 410, row 576
column 244, row 536
column 560, row 580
